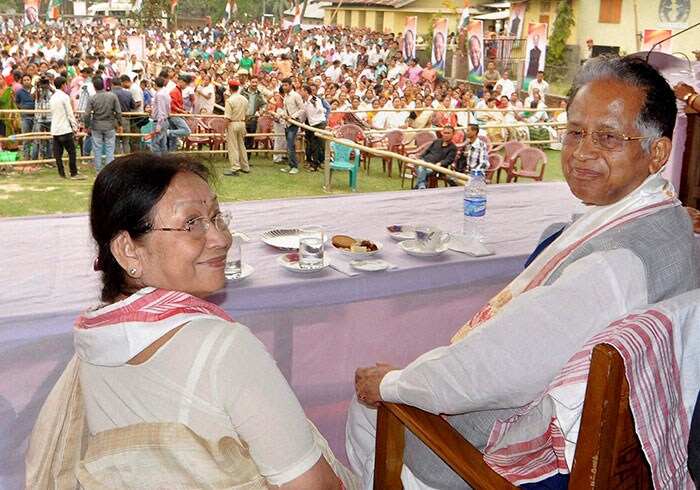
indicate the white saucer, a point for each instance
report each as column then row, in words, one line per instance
column 246, row 270
column 400, row 232
column 291, row 263
column 411, row 248
column 370, row 265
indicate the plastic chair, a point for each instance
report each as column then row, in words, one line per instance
column 495, row 162
column 341, row 161
column 196, row 126
column 410, row 166
column 392, row 141
column 487, row 141
column 217, row 125
column 265, row 125
column 529, row 159
column 145, row 130
column 423, row 137
column 509, row 148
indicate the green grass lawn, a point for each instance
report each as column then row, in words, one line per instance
column 43, row 192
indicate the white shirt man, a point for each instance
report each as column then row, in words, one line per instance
column 507, row 85
column 333, row 72
column 539, row 84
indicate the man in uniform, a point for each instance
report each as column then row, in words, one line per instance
column 236, row 113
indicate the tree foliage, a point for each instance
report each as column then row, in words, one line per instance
column 556, row 45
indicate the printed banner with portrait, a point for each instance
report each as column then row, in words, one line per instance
column 31, row 12
column 515, row 22
column 535, row 52
column 439, row 45
column 409, row 37
column 475, row 47
column 653, row 36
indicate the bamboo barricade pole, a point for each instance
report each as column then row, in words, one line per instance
column 459, row 177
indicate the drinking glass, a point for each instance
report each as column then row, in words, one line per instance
column 233, row 261
column 311, row 247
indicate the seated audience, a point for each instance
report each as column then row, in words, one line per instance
column 441, row 152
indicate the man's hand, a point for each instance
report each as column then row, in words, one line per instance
column 694, row 218
column 120, row 129
column 367, row 381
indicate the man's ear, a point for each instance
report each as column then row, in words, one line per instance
column 660, row 153
column 124, row 250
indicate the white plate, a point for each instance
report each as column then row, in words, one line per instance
column 291, row 263
column 246, row 270
column 411, row 248
column 400, row 232
column 359, row 255
column 371, row 265
column 284, row 239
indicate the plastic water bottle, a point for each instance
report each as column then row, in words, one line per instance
column 474, row 205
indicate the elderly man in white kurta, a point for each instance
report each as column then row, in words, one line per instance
column 629, row 244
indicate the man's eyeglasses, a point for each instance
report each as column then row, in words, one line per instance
column 603, row 140
column 198, row 227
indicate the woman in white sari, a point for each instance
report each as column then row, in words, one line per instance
column 173, row 392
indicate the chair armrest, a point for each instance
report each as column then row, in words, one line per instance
column 439, row 436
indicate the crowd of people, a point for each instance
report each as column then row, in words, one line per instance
column 195, row 70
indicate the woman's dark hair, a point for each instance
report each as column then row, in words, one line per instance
column 125, row 193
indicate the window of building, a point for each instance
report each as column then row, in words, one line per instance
column 610, row 11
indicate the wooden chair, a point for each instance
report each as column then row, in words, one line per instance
column 525, row 163
column 410, row 167
column 608, row 454
column 509, row 148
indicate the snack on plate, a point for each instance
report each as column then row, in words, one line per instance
column 345, row 242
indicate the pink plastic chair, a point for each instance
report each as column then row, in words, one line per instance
column 526, row 163
column 509, row 148
column 410, row 166
column 495, row 162
column 392, row 141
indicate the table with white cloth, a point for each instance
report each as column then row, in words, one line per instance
column 319, row 327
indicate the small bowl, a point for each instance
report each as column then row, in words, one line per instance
column 359, row 255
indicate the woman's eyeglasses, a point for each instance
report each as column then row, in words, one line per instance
column 198, row 227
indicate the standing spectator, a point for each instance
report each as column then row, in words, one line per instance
column 24, row 99
column 160, row 115
column 178, row 126
column 507, row 85
column 256, row 103
column 538, row 84
column 42, row 119
column 280, row 143
column 127, row 104
column 86, row 90
column 316, row 118
column 63, row 128
column 9, row 122
column 204, row 97
column 103, row 118
column 236, row 113
column 294, row 109
column 130, row 83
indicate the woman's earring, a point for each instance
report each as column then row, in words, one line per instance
column 132, row 271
